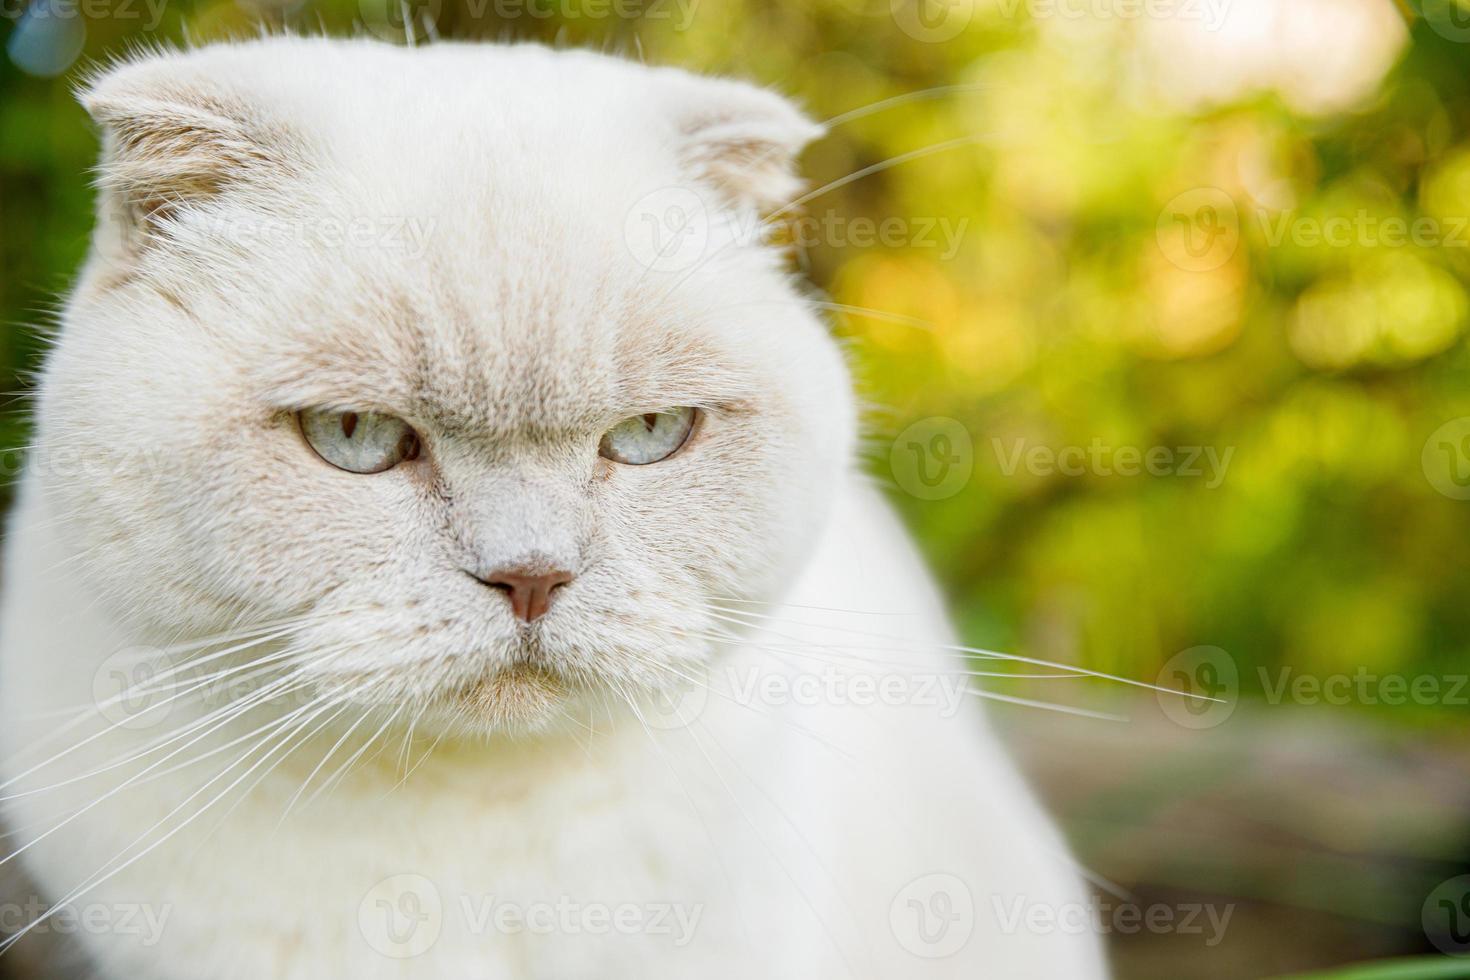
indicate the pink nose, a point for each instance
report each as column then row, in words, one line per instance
column 529, row 592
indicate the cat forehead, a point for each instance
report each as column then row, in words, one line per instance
column 528, row 312
column 509, row 356
column 445, row 231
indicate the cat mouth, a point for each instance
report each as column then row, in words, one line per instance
column 520, row 696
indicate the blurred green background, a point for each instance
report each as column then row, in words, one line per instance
column 1162, row 308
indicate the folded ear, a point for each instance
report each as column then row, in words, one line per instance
column 169, row 141
column 741, row 140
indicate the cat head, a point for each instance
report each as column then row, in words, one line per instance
column 461, row 360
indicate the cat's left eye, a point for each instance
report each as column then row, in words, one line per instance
column 359, row 442
column 648, row 438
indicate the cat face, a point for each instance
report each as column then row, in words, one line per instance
column 356, row 328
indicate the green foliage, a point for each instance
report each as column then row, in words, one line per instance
column 1426, row 968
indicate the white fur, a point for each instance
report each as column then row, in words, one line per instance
column 515, row 330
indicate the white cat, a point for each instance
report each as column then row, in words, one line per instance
column 443, row 555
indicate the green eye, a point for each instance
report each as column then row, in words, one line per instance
column 359, row 442
column 648, row 438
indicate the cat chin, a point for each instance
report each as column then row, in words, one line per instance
column 516, row 702
column 532, row 683
column 520, row 700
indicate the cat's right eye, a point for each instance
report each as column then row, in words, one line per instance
column 359, row 442
column 648, row 438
